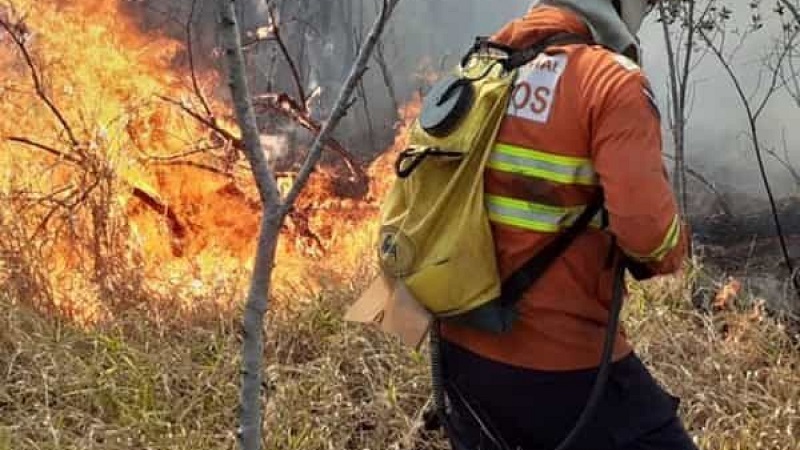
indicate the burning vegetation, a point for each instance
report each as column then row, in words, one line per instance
column 124, row 194
column 123, row 174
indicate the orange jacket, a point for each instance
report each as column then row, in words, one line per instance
column 581, row 118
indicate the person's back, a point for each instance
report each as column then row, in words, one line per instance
column 582, row 120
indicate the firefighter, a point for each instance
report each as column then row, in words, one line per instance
column 581, row 118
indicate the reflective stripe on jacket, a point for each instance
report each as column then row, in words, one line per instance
column 580, row 118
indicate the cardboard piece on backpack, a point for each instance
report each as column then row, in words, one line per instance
column 389, row 305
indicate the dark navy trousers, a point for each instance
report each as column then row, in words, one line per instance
column 496, row 406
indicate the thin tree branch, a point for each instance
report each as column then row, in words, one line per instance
column 190, row 52
column 687, row 58
column 185, row 154
column 210, row 122
column 194, row 165
column 775, row 75
column 52, row 150
column 362, row 91
column 342, row 102
column 786, row 164
column 752, row 122
column 276, row 32
column 19, row 41
column 708, row 184
column 288, row 107
column 387, row 79
column 795, row 81
column 177, row 227
column 792, row 9
column 677, row 114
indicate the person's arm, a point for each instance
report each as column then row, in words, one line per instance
column 626, row 146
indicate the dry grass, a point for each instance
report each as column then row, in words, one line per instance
column 333, row 385
column 737, row 371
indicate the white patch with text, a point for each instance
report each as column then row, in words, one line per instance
column 534, row 90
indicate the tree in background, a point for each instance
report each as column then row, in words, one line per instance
column 680, row 20
column 275, row 207
column 716, row 35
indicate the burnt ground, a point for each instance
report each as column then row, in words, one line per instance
column 746, row 246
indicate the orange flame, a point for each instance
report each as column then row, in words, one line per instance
column 184, row 228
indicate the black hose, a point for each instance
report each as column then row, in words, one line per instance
column 598, row 389
column 437, row 377
column 596, row 395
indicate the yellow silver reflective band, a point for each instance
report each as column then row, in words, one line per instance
column 670, row 241
column 548, row 166
column 533, row 216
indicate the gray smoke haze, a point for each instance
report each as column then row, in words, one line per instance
column 718, row 142
column 718, row 130
column 426, row 38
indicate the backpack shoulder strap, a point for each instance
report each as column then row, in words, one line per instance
column 519, row 58
column 525, row 276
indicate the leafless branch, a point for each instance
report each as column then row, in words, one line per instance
column 276, row 32
column 190, row 52
column 785, row 160
column 177, row 227
column 288, row 107
column 194, row 165
column 792, row 79
column 14, row 31
column 752, row 120
column 380, row 58
column 792, row 9
column 708, row 185
column 785, row 163
column 342, row 102
column 49, row 149
column 210, row 122
column 775, row 75
column 182, row 155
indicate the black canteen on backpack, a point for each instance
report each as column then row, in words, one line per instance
column 446, row 104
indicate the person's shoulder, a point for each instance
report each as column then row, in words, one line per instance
column 600, row 61
column 607, row 74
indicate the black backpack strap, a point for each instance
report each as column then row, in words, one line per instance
column 517, row 58
column 521, row 57
column 525, row 276
column 482, row 44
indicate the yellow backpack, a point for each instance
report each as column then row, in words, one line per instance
column 435, row 235
column 435, row 232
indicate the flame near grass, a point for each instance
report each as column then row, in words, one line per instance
column 106, row 250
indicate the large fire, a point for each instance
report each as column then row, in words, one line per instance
column 108, row 184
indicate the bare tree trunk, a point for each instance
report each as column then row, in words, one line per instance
column 684, row 89
column 681, row 59
column 675, row 114
column 257, row 297
column 679, row 68
column 275, row 210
